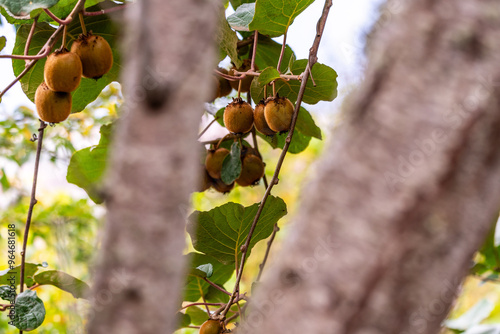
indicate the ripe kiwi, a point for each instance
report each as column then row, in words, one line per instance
column 63, row 71
column 221, row 187
column 251, row 171
column 260, row 120
column 278, row 113
column 211, row 327
column 52, row 107
column 224, row 85
column 238, row 116
column 206, row 180
column 213, row 162
column 95, row 54
column 246, row 82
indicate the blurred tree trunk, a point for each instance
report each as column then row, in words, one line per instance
column 169, row 51
column 407, row 189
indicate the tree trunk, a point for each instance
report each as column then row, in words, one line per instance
column 408, row 188
column 154, row 166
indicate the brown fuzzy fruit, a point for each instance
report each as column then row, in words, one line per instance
column 52, row 107
column 221, row 187
column 246, row 82
column 238, row 116
column 213, row 162
column 278, row 113
column 206, row 180
column 251, row 171
column 260, row 120
column 63, row 71
column 224, row 85
column 211, row 327
column 95, row 54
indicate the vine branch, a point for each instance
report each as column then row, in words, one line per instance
column 313, row 58
column 105, row 11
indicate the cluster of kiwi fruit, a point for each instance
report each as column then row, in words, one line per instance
column 252, row 169
column 90, row 56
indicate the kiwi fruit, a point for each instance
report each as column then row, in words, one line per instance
column 278, row 113
column 95, row 54
column 246, row 82
column 52, row 107
column 63, row 71
column 260, row 120
column 211, row 327
column 221, row 187
column 205, row 182
column 224, row 87
column 238, row 116
column 214, row 160
column 251, row 171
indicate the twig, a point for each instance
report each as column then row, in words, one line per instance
column 254, row 50
column 78, row 7
column 217, row 287
column 245, row 42
column 241, row 75
column 82, row 23
column 282, row 53
column 30, row 36
column 105, row 11
column 200, row 304
column 313, row 58
column 207, row 127
column 44, row 54
column 3, row 307
column 33, row 201
column 268, row 249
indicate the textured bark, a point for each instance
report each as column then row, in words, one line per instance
column 170, row 51
column 408, row 188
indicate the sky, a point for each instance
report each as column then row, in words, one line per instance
column 341, row 48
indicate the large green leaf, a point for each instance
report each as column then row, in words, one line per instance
column 298, row 144
column 227, row 41
column 89, row 89
column 63, row 281
column 268, row 75
column 198, row 316
column 241, row 18
column 273, row 17
column 87, row 166
column 231, row 166
column 324, row 77
column 29, row 271
column 196, row 287
column 30, row 311
column 306, row 125
column 222, row 231
column 24, row 7
column 6, row 293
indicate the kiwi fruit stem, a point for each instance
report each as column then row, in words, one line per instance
column 82, row 23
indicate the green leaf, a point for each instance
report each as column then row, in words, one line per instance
column 273, row 17
column 480, row 311
column 63, row 281
column 89, row 89
column 198, row 316
column 306, row 125
column 30, row 311
column 241, row 18
column 3, row 40
column 268, row 75
column 216, row 296
column 24, row 7
column 87, row 166
column 4, row 181
column 222, row 231
column 324, row 76
column 268, row 53
column 183, row 320
column 15, row 273
column 6, row 293
column 298, row 144
column 196, row 287
column 227, row 41
column 220, row 116
column 205, row 270
column 231, row 166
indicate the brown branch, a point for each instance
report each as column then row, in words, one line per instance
column 3, row 307
column 44, row 54
column 282, row 53
column 245, row 42
column 241, row 75
column 254, row 50
column 78, row 7
column 312, row 60
column 30, row 36
column 268, row 249
column 229, row 136
column 207, row 127
column 217, row 287
column 200, row 304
